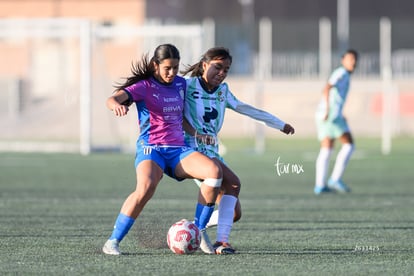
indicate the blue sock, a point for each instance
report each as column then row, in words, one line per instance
column 198, row 210
column 202, row 215
column 122, row 225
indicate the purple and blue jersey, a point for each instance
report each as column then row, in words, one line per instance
column 160, row 111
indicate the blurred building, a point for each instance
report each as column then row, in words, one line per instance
column 295, row 24
column 100, row 11
column 41, row 73
column 293, row 19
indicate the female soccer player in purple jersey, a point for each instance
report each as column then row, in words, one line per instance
column 158, row 94
column 205, row 104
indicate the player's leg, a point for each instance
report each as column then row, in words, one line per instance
column 341, row 163
column 214, row 216
column 229, row 187
column 149, row 176
column 322, row 165
column 237, row 211
column 199, row 166
column 226, row 210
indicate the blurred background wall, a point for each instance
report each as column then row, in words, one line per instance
column 59, row 60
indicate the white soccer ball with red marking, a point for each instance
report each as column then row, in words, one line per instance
column 183, row 237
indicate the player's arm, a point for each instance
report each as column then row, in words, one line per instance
column 188, row 128
column 118, row 103
column 264, row 117
column 325, row 97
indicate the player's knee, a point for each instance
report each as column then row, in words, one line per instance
column 231, row 187
column 145, row 191
column 237, row 185
column 214, row 183
column 234, row 189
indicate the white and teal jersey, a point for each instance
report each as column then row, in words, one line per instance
column 339, row 80
column 205, row 111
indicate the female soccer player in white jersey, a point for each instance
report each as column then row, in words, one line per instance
column 158, row 94
column 205, row 104
column 331, row 125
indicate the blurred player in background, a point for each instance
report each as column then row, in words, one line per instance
column 206, row 101
column 331, row 125
column 158, row 94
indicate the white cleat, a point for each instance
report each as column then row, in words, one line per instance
column 205, row 244
column 224, row 248
column 111, row 247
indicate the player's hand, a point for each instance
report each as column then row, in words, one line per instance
column 120, row 110
column 325, row 117
column 288, row 129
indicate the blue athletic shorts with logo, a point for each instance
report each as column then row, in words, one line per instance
column 166, row 157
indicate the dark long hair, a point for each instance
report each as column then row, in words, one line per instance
column 216, row 53
column 144, row 69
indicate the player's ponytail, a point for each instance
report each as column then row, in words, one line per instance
column 144, row 69
column 196, row 70
column 216, row 53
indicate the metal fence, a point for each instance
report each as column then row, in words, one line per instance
column 306, row 64
column 296, row 46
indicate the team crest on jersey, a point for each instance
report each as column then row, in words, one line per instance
column 220, row 96
column 181, row 91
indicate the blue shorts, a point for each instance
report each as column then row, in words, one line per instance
column 166, row 157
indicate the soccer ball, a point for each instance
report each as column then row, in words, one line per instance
column 183, row 237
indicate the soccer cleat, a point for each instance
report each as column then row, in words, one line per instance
column 205, row 244
column 321, row 190
column 111, row 247
column 338, row 186
column 211, row 225
column 223, row 248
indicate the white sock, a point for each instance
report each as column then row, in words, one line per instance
column 322, row 164
column 213, row 219
column 225, row 217
column 341, row 161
